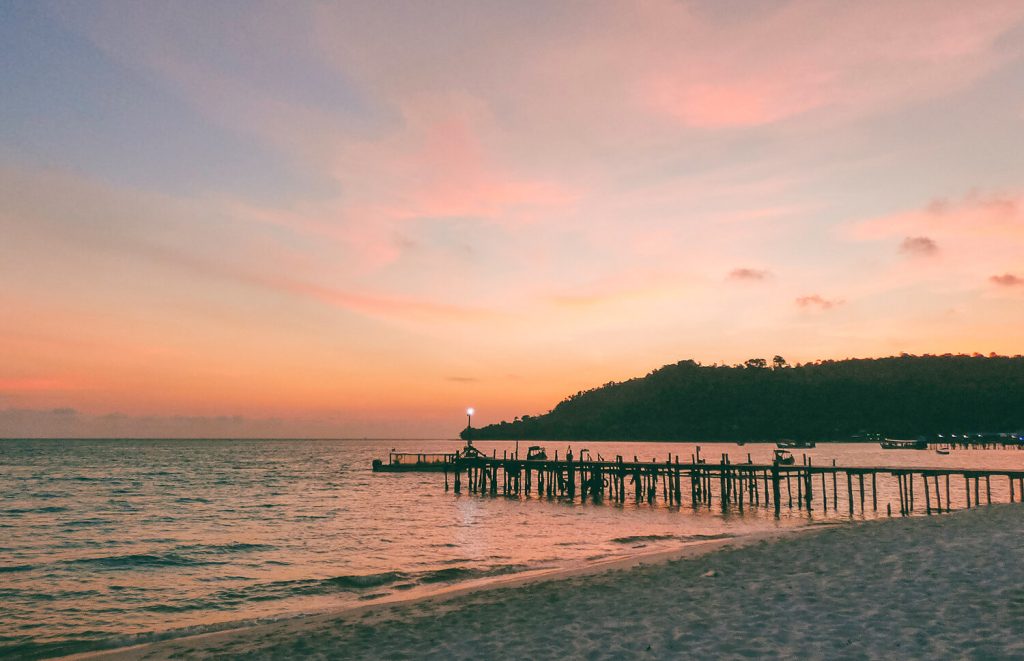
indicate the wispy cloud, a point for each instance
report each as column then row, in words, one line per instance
column 813, row 301
column 919, row 245
column 749, row 274
column 1007, row 280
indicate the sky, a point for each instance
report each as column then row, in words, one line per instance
column 357, row 219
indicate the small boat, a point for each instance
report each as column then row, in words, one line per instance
column 783, row 458
column 896, row 444
column 536, row 453
column 942, row 450
column 424, row 462
column 786, row 443
column 416, row 462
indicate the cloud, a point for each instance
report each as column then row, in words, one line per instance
column 980, row 232
column 806, row 56
column 1007, row 280
column 816, row 301
column 919, row 245
column 749, row 274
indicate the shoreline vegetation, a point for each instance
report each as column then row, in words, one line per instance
column 927, row 587
column 839, row 400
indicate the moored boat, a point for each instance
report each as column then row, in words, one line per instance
column 536, row 453
column 786, row 443
column 897, row 444
column 783, row 458
column 423, row 462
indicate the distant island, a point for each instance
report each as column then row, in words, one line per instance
column 902, row 396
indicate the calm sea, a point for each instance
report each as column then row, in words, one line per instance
column 106, row 543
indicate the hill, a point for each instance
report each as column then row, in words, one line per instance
column 904, row 396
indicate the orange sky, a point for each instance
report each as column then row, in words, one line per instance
column 357, row 221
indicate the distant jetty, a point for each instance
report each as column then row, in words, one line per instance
column 760, row 400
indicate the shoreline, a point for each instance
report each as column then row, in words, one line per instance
column 379, row 608
column 923, row 587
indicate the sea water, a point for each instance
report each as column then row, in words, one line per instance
column 105, row 543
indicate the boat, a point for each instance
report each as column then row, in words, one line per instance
column 786, row 443
column 418, row 462
column 783, row 458
column 942, row 450
column 424, row 462
column 536, row 453
column 897, row 444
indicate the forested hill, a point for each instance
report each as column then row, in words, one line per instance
column 901, row 397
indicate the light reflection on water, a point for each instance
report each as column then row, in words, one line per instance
column 105, row 540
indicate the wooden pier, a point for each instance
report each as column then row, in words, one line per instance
column 701, row 483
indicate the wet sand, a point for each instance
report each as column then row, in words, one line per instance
column 936, row 587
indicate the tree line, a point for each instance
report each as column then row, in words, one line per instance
column 760, row 400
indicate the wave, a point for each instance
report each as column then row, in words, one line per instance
column 354, row 583
column 453, row 574
column 219, row 549
column 14, row 568
column 141, row 560
column 633, row 539
column 51, row 509
column 81, row 523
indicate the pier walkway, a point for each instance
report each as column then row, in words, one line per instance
column 699, row 482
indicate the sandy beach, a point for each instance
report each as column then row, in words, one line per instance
column 937, row 587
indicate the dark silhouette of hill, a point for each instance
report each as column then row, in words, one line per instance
column 904, row 396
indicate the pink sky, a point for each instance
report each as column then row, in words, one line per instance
column 337, row 220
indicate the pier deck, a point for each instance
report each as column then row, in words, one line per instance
column 699, row 482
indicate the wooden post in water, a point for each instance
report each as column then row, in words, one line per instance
column 874, row 491
column 570, row 474
column 776, row 492
column 860, row 480
column 949, row 501
column 678, row 484
column 809, row 491
column 967, row 490
column 988, row 489
column 938, row 496
column 789, row 491
column 835, row 492
column 849, row 490
column 927, row 497
column 693, row 484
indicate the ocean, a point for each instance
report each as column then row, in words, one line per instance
column 107, row 543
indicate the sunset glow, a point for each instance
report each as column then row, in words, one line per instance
column 349, row 220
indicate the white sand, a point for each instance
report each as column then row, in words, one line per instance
column 948, row 586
